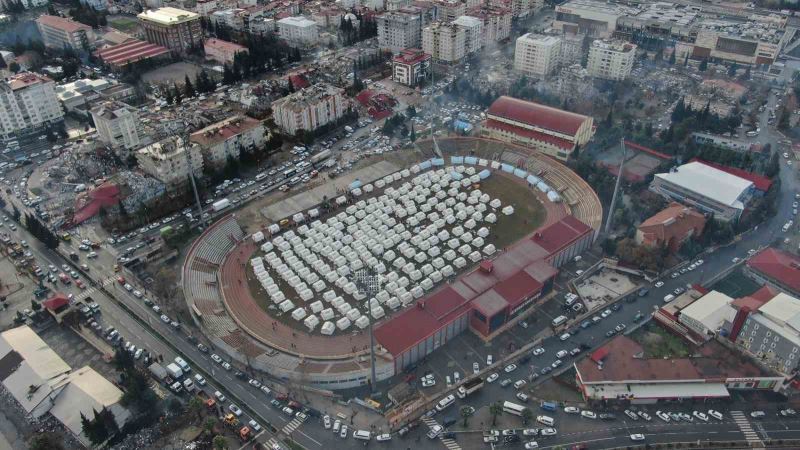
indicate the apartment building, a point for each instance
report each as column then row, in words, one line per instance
column 398, row 30
column 473, row 33
column 227, row 138
column 537, row 55
column 171, row 162
column 449, row 10
column 60, row 33
column 611, row 59
column 116, row 124
column 173, row 28
column 309, row 108
column 445, row 42
column 772, row 334
column 222, row 51
column 496, row 21
column 28, row 101
column 298, row 30
column 411, row 67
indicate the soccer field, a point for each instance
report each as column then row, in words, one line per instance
column 736, row 285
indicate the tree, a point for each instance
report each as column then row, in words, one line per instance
column 703, row 65
column 195, row 406
column 47, row 441
column 527, row 415
column 413, row 134
column 466, row 411
column 188, row 88
column 168, row 95
column 14, row 67
column 672, row 58
column 122, row 361
column 35, row 306
column 411, row 111
column 209, row 424
column 219, row 442
column 177, row 94
column 495, row 410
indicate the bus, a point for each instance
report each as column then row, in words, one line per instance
column 289, row 173
column 513, row 408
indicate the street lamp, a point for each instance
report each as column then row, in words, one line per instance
column 368, row 284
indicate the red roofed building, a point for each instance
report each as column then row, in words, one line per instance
column 59, row 32
column 131, row 51
column 620, row 370
column 761, row 183
column 777, row 269
column 58, row 306
column 670, row 227
column 548, row 130
column 88, row 204
column 410, row 67
column 222, row 51
column 486, row 298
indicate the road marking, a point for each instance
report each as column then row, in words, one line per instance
column 743, row 423
column 254, row 439
column 451, row 444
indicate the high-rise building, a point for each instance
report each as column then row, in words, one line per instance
column 611, row 59
column 298, row 30
column 170, row 161
column 410, row 67
column 309, row 108
column 496, row 22
column 449, row 10
column 537, row 55
column 173, row 28
column 398, row 30
column 60, row 33
column 473, row 32
column 28, row 101
column 444, row 42
column 116, row 124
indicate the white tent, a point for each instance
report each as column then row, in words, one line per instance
column 460, row 262
column 353, row 314
column 258, row 237
column 362, row 322
column 393, row 303
column 326, row 314
column 447, row 271
column 491, row 218
column 343, row 323
column 483, row 232
column 299, row 313
column 274, row 228
column 489, row 249
column 267, row 247
column 475, row 256
column 311, row 322
column 417, row 292
column 377, row 312
column 316, row 307
column 287, row 305
column 298, row 218
column 327, row 328
column 426, row 284
column 508, row 210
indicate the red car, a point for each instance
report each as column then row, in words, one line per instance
column 121, row 280
column 80, row 284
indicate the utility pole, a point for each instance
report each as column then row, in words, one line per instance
column 369, row 283
column 610, row 218
column 183, row 137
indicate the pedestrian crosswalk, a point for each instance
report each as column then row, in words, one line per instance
column 743, row 423
column 272, row 444
column 291, row 426
column 451, row 444
column 89, row 291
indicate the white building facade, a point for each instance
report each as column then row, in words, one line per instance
column 28, row 101
column 309, row 109
column 227, row 138
column 116, row 124
column 537, row 55
column 398, row 30
column 611, row 59
column 473, row 33
column 445, row 42
column 298, row 30
column 170, row 161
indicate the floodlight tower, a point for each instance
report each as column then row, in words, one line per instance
column 369, row 283
column 616, row 190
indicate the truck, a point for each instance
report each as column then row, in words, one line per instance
column 469, row 387
column 160, row 373
column 219, row 205
column 174, row 371
column 321, row 156
column 548, row 406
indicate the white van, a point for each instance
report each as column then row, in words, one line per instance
column 559, row 320
column 545, row 420
column 668, row 298
column 180, row 362
column 362, row 434
column 445, row 402
column 188, row 385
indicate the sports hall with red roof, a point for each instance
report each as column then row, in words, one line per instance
column 776, row 268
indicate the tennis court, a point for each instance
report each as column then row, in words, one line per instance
column 736, row 285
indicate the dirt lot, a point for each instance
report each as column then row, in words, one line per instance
column 173, row 73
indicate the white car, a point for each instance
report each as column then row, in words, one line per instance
column 254, row 426
column 255, row 383
column 476, row 368
column 588, row 414
column 265, row 390
column 510, row 368
column 572, row 410
column 659, row 284
column 492, row 378
column 519, row 384
column 137, row 294
column 383, row 437
column 165, row 318
column 605, row 313
column 128, row 287
column 326, row 421
column 219, row 396
column 531, row 444
column 715, row 414
column 488, row 360
column 538, row 351
column 530, row 432
column 226, row 365
column 548, row 432
column 663, row 416
column 235, row 410
column 428, row 381
column 631, row 414
column 561, row 354
column 637, row 437
column 216, row 358
column 199, row 379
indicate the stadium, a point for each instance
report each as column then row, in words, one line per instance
column 468, row 241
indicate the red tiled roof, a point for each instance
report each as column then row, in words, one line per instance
column 299, row 81
column 599, row 354
column 489, row 303
column 517, row 288
column 416, row 323
column 411, row 56
column 530, row 134
column 56, row 302
column 673, row 222
column 760, row 182
column 61, row 23
column 88, row 205
column 130, row 51
column 778, row 265
column 560, row 234
column 542, row 116
column 764, row 294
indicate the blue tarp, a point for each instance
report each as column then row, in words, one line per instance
column 425, row 165
column 520, row 173
column 460, row 125
column 533, row 179
column 507, row 168
column 437, row 161
column 354, row 184
column 456, row 160
column 484, row 174
column 470, row 160
column 456, row 176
